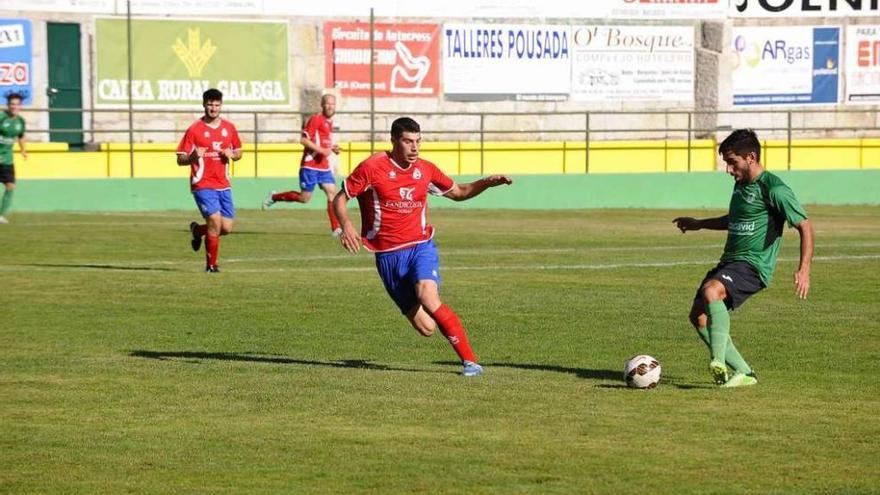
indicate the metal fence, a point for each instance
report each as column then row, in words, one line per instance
column 560, row 128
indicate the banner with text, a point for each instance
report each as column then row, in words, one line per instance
column 788, row 9
column 785, row 65
column 862, row 68
column 174, row 62
column 526, row 62
column 632, row 63
column 405, row 59
column 16, row 68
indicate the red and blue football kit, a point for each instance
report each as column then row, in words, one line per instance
column 394, row 224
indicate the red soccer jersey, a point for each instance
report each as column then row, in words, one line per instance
column 212, row 170
column 394, row 200
column 319, row 130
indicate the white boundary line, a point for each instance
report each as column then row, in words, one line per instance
column 508, row 268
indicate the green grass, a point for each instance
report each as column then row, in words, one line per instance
column 126, row 369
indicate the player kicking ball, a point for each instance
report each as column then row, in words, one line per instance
column 760, row 206
column 392, row 191
column 208, row 146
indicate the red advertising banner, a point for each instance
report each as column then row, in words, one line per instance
column 405, row 59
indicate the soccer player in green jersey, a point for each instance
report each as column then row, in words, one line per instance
column 11, row 128
column 760, row 206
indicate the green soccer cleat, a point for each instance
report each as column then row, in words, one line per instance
column 741, row 380
column 719, row 372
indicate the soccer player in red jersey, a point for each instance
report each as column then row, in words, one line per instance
column 207, row 147
column 314, row 168
column 392, row 191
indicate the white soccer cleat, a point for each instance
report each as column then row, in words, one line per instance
column 471, row 369
column 268, row 202
column 337, row 232
column 3, row 220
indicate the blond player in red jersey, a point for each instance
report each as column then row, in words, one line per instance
column 392, row 191
column 315, row 168
column 208, row 146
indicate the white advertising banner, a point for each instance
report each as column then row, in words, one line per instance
column 525, row 62
column 632, row 63
column 862, row 65
column 788, row 9
column 785, row 65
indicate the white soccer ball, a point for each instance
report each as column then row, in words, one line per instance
column 642, row 372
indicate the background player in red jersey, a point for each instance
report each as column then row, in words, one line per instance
column 392, row 190
column 315, row 168
column 207, row 147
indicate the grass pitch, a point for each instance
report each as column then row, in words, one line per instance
column 124, row 368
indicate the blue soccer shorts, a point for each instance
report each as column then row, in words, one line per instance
column 210, row 201
column 309, row 178
column 400, row 271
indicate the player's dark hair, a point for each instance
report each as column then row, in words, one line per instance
column 741, row 142
column 13, row 96
column 404, row 124
column 212, row 94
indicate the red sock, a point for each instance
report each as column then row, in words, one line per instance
column 212, row 245
column 453, row 330
column 200, row 230
column 334, row 222
column 290, row 196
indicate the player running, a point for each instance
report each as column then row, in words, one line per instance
column 760, row 205
column 207, row 147
column 315, row 167
column 11, row 129
column 392, row 191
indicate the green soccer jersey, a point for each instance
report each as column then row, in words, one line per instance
column 758, row 212
column 11, row 128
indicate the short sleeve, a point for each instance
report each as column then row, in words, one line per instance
column 186, row 143
column 782, row 198
column 357, row 182
column 440, row 182
column 236, row 141
column 311, row 128
column 23, row 125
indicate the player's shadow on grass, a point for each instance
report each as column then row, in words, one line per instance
column 589, row 374
column 95, row 266
column 195, row 357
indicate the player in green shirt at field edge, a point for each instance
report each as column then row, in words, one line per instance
column 760, row 206
column 11, row 128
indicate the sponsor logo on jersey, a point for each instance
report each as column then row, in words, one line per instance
column 742, row 228
column 407, row 193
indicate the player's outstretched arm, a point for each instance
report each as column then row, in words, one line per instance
column 685, row 224
column 350, row 238
column 802, row 275
column 461, row 192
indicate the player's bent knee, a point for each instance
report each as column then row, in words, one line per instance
column 713, row 291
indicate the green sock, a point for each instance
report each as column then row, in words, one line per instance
column 704, row 336
column 719, row 329
column 732, row 356
column 735, row 360
column 7, row 202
